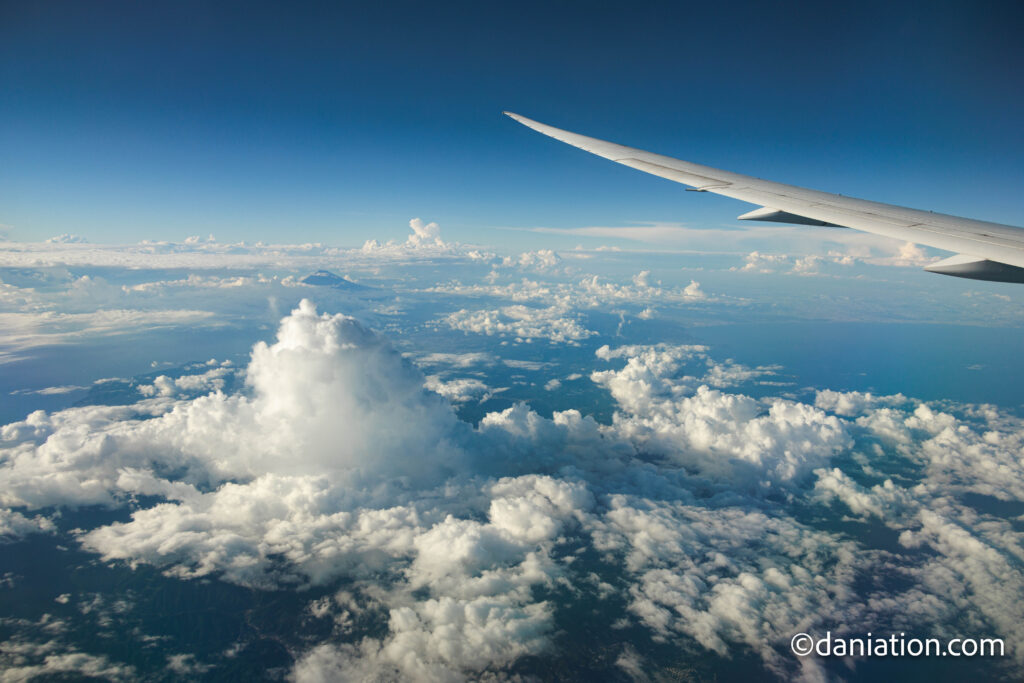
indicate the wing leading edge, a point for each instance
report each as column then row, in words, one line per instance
column 985, row 251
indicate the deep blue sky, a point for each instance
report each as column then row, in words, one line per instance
column 338, row 123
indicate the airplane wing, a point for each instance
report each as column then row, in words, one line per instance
column 985, row 251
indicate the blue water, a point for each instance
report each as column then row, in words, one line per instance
column 928, row 361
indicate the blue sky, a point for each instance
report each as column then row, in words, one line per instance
column 336, row 123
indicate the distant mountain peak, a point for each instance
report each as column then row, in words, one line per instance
column 325, row 278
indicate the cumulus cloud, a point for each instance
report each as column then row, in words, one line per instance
column 966, row 450
column 14, row 525
column 319, row 367
column 457, row 360
column 424, row 240
column 66, row 238
column 589, row 292
column 552, row 313
column 714, row 433
column 883, row 500
column 852, row 403
column 202, row 383
column 886, row 253
column 730, row 373
column 808, row 264
column 25, row 660
column 459, row 390
column 541, row 260
column 757, row 262
column 666, row 369
column 440, row 641
column 693, row 291
column 486, row 618
column 696, row 575
column 186, row 665
column 424, row 233
column 909, row 255
column 524, row 323
column 237, row 530
column 442, row 551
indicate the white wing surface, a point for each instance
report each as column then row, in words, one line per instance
column 985, row 251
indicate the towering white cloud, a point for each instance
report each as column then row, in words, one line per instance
column 324, row 400
column 424, row 233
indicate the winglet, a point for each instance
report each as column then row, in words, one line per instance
column 545, row 129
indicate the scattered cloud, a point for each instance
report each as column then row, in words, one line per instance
column 589, row 292
column 909, row 255
column 758, row 262
column 459, row 390
column 204, row 383
column 24, row 660
column 540, row 260
column 524, row 323
column 14, row 525
column 457, row 360
column 66, row 238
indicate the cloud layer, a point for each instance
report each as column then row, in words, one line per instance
column 441, row 551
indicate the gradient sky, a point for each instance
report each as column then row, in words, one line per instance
column 122, row 121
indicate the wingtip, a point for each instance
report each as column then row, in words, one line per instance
column 519, row 118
